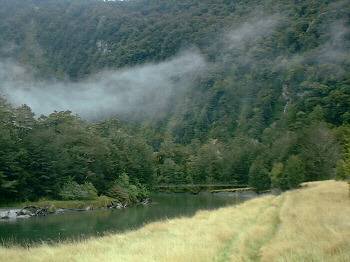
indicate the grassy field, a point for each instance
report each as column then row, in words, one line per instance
column 309, row 224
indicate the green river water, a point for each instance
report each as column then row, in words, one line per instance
column 77, row 225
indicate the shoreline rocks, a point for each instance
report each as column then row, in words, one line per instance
column 34, row 211
column 116, row 205
column 146, row 202
column 26, row 212
column 9, row 214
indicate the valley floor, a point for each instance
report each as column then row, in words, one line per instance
column 309, row 224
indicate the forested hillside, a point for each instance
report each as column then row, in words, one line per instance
column 253, row 92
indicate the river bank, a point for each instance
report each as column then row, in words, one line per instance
column 309, row 224
column 48, row 207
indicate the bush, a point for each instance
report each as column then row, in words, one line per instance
column 343, row 165
column 289, row 176
column 71, row 190
column 118, row 193
column 278, row 180
column 259, row 176
column 125, row 192
column 294, row 171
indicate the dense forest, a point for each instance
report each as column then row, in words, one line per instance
column 269, row 109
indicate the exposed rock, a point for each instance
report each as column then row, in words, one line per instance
column 25, row 212
column 117, row 205
column 31, row 211
column 146, row 202
column 23, row 216
column 3, row 214
column 51, row 209
column 60, row 211
column 42, row 212
column 9, row 214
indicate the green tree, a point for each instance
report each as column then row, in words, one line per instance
column 294, row 172
column 320, row 152
column 125, row 191
column 71, row 190
column 207, row 166
column 278, row 180
column 259, row 175
column 343, row 165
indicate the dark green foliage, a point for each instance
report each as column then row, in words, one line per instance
column 278, row 177
column 119, row 193
column 71, row 190
column 343, row 165
column 208, row 164
column 294, row 172
column 266, row 112
column 125, row 192
column 320, row 152
column 259, row 175
column 39, row 156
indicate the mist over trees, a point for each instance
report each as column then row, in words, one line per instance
column 251, row 93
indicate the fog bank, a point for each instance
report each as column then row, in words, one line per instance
column 145, row 89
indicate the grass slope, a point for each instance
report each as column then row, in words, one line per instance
column 310, row 224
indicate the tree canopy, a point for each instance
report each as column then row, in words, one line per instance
column 272, row 110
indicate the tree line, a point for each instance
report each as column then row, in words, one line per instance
column 53, row 156
column 273, row 111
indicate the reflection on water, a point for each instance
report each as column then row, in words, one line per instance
column 75, row 225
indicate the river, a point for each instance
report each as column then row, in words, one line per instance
column 77, row 225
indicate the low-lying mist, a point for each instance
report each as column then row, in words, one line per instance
column 145, row 89
column 149, row 90
column 142, row 91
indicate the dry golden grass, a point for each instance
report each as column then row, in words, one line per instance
column 310, row 224
column 315, row 225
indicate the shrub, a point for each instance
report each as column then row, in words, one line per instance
column 278, row 180
column 294, row 171
column 259, row 176
column 71, row 190
column 125, row 192
column 341, row 170
column 118, row 193
column 343, row 165
column 289, row 176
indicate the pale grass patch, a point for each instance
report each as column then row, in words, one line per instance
column 315, row 225
column 310, row 224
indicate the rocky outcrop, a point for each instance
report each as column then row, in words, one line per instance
column 146, row 202
column 34, row 211
column 116, row 205
column 119, row 205
column 9, row 214
column 26, row 212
